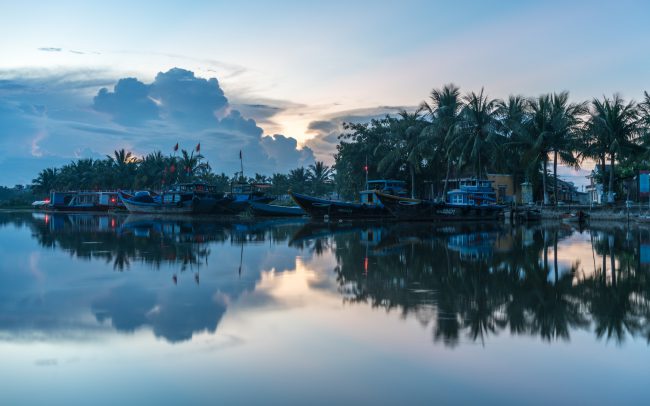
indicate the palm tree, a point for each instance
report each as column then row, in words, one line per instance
column 479, row 127
column 319, row 175
column 405, row 141
column 298, row 179
column 46, row 180
column 613, row 126
column 191, row 165
column 564, row 128
column 538, row 131
column 514, row 115
column 444, row 110
column 125, row 164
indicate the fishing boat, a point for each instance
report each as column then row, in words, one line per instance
column 185, row 198
column 273, row 210
column 370, row 207
column 242, row 194
column 472, row 200
column 78, row 201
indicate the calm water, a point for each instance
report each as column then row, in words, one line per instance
column 102, row 309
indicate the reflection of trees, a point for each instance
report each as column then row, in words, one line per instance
column 519, row 287
column 155, row 241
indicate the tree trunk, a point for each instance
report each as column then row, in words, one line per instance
column 555, row 256
column 444, row 188
column 412, row 170
column 544, row 180
column 603, row 170
column 612, row 260
column 555, row 176
column 610, row 192
column 545, row 252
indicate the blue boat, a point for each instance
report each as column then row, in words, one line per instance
column 183, row 198
column 273, row 210
column 242, row 194
column 472, row 200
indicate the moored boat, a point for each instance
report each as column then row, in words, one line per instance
column 242, row 194
column 168, row 203
column 183, row 198
column 76, row 202
column 368, row 208
column 473, row 200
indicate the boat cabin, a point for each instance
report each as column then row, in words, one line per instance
column 61, row 198
column 85, row 199
column 110, row 199
column 193, row 187
column 472, row 192
column 391, row 187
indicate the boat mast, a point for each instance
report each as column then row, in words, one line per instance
column 366, row 170
column 241, row 164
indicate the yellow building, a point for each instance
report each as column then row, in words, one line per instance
column 504, row 186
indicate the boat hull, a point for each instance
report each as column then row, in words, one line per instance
column 81, row 208
column 239, row 206
column 427, row 210
column 271, row 210
column 320, row 208
column 184, row 207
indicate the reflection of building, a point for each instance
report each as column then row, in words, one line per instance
column 371, row 237
column 473, row 246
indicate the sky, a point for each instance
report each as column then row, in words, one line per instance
column 277, row 79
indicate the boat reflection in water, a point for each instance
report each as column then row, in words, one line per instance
column 464, row 281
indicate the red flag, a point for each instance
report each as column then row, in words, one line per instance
column 198, row 147
column 176, row 147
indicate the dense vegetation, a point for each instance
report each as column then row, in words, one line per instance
column 155, row 171
column 454, row 135
column 447, row 136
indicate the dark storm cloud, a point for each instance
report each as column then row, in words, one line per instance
column 191, row 101
column 129, row 103
column 322, row 126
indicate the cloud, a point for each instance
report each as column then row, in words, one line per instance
column 326, row 132
column 50, row 49
column 129, row 102
column 50, row 117
column 190, row 101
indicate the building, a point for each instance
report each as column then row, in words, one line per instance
column 566, row 191
column 504, row 186
column 595, row 188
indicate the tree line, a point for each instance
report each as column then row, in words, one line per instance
column 156, row 171
column 451, row 134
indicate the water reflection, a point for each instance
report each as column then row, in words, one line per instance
column 463, row 282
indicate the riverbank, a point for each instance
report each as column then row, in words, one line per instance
column 596, row 213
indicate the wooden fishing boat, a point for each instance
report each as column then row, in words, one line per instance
column 473, row 200
column 332, row 209
column 370, row 207
column 182, row 198
column 167, row 203
column 273, row 210
column 242, row 194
